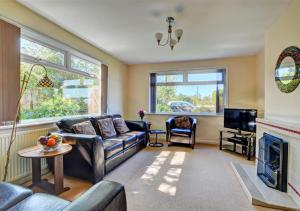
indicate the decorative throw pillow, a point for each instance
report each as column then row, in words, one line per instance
column 182, row 122
column 120, row 125
column 84, row 128
column 107, row 128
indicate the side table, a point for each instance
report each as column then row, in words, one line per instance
column 156, row 132
column 36, row 153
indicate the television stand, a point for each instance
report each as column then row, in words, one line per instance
column 245, row 139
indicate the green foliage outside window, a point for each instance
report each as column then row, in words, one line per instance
column 167, row 94
column 52, row 102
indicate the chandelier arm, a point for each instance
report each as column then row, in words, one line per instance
column 170, row 39
column 167, row 41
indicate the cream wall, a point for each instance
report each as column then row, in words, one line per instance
column 260, row 82
column 284, row 32
column 242, row 91
column 14, row 11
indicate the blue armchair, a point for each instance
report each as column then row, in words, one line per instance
column 181, row 135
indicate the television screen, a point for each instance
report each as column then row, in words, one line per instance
column 240, row 119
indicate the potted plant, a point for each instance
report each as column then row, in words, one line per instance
column 141, row 114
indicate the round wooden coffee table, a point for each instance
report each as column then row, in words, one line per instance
column 36, row 153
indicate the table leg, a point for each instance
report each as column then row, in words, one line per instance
column 221, row 138
column 36, row 171
column 249, row 149
column 58, row 186
column 58, row 174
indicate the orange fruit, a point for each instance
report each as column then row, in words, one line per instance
column 56, row 137
column 51, row 142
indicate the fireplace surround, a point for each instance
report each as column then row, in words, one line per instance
column 272, row 162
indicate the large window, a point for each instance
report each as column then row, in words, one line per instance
column 76, row 80
column 197, row 91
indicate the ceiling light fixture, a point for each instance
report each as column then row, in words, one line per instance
column 170, row 41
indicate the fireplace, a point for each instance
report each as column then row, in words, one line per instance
column 273, row 162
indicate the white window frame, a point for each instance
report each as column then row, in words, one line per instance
column 57, row 46
column 67, row 51
column 185, row 72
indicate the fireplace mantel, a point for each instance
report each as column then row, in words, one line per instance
column 286, row 128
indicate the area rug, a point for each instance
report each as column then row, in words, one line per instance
column 178, row 178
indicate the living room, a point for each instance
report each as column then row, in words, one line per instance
column 137, row 109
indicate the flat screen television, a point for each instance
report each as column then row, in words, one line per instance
column 240, row 119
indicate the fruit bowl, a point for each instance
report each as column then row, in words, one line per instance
column 49, row 143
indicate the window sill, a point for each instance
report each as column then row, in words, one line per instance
column 40, row 122
column 187, row 114
column 28, row 124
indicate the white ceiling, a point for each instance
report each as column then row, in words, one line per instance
column 126, row 28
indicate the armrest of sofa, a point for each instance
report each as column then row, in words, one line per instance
column 12, row 194
column 105, row 195
column 169, row 126
column 137, row 125
column 170, row 123
column 194, row 124
column 73, row 138
column 87, row 153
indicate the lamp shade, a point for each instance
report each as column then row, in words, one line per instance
column 45, row 82
column 158, row 36
column 178, row 33
column 172, row 43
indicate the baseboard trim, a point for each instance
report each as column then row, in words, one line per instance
column 208, row 141
column 28, row 177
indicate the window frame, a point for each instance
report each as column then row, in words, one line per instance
column 31, row 59
column 185, row 72
column 79, row 71
column 53, row 44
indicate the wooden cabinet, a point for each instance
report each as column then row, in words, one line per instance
column 9, row 70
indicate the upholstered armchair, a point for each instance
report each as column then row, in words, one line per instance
column 181, row 132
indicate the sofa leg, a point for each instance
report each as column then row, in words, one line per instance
column 193, row 145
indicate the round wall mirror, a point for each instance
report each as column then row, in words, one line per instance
column 287, row 76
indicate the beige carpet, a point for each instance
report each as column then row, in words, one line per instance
column 178, row 178
column 174, row 178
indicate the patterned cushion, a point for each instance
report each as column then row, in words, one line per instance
column 182, row 122
column 84, row 128
column 120, row 125
column 106, row 127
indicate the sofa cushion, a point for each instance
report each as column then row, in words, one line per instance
column 41, row 202
column 128, row 140
column 139, row 134
column 181, row 131
column 112, row 147
column 182, row 122
column 94, row 121
column 12, row 194
column 84, row 128
column 67, row 123
column 107, row 128
column 120, row 125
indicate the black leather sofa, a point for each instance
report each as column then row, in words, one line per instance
column 103, row 196
column 92, row 157
column 181, row 135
